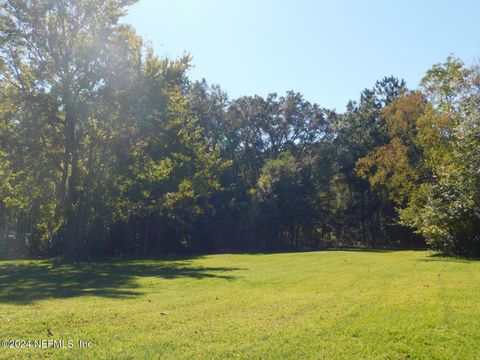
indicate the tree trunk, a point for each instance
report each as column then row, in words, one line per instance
column 146, row 244
column 72, row 239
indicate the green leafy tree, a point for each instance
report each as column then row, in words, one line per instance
column 445, row 207
column 56, row 61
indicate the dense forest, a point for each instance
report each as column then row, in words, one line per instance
column 108, row 149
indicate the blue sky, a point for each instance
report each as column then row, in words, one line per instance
column 329, row 50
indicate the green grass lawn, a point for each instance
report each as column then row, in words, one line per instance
column 332, row 304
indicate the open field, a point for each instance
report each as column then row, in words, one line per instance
column 332, row 304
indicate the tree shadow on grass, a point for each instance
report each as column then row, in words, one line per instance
column 437, row 256
column 29, row 281
column 382, row 250
column 303, row 251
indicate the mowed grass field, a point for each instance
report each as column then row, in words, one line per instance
column 331, row 304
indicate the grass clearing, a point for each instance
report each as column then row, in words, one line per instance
column 331, row 304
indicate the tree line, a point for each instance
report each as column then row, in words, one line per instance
column 106, row 148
